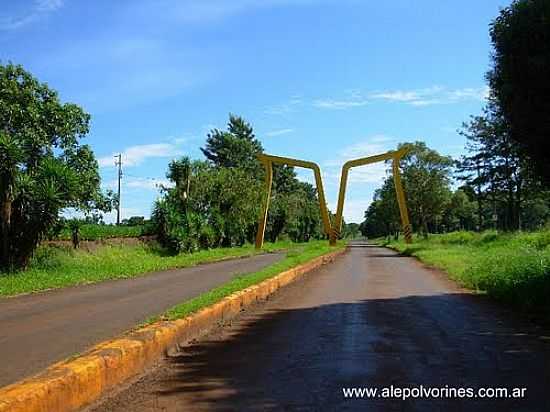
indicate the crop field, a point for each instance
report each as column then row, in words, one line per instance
column 98, row 232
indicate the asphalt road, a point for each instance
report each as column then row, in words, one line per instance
column 39, row 329
column 370, row 319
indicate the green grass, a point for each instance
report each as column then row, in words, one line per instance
column 97, row 232
column 58, row 267
column 511, row 267
column 297, row 255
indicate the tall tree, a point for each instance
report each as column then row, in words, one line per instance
column 236, row 147
column 426, row 179
column 382, row 215
column 520, row 79
column 460, row 212
column 43, row 166
column 496, row 168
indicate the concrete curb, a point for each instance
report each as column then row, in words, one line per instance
column 74, row 383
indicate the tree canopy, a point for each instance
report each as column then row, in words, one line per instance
column 519, row 78
column 43, row 166
column 217, row 202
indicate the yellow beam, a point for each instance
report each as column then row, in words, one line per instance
column 263, row 217
column 333, row 231
column 403, row 211
column 396, row 156
column 268, row 161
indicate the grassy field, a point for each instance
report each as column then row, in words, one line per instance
column 298, row 254
column 97, row 232
column 511, row 267
column 57, row 267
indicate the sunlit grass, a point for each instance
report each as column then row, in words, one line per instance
column 57, row 267
column 511, row 267
column 97, row 232
column 297, row 255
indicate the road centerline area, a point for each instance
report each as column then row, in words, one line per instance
column 372, row 318
column 37, row 330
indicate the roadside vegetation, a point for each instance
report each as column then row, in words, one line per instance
column 57, row 267
column 92, row 231
column 298, row 254
column 513, row 268
column 208, row 211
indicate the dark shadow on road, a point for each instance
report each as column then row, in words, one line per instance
column 301, row 359
column 361, row 244
column 382, row 255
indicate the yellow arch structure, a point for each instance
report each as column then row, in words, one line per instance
column 333, row 231
column 268, row 161
column 395, row 156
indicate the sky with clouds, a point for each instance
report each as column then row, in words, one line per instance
column 322, row 80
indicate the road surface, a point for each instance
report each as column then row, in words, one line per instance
column 370, row 319
column 39, row 329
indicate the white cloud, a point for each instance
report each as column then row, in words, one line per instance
column 354, row 210
column 279, row 132
column 286, row 107
column 432, row 95
column 145, row 183
column 36, row 11
column 135, row 155
column 48, row 5
column 353, row 99
column 416, row 97
column 372, row 174
column 338, row 104
column 373, row 145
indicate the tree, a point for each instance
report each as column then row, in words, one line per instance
column 134, row 221
column 207, row 207
column 293, row 206
column 501, row 175
column 236, row 147
column 43, row 166
column 426, row 180
column 460, row 213
column 382, row 216
column 519, row 78
column 351, row 230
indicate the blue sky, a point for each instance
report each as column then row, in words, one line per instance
column 322, row 80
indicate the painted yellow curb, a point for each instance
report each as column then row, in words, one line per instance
column 74, row 383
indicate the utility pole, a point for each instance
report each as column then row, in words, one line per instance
column 118, row 163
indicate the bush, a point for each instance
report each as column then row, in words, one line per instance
column 207, row 237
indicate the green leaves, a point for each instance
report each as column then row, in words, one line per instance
column 43, row 168
column 237, row 147
column 217, row 202
column 519, row 77
column 426, row 180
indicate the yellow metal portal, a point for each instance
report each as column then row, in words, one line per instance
column 333, row 231
column 268, row 161
column 396, row 157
